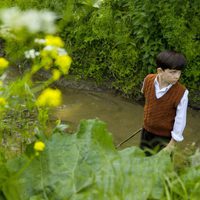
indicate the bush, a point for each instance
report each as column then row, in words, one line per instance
column 118, row 40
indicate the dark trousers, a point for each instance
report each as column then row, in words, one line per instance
column 152, row 143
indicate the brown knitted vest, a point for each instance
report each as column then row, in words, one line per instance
column 159, row 114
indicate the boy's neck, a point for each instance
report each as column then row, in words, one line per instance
column 162, row 84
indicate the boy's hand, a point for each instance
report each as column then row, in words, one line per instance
column 171, row 146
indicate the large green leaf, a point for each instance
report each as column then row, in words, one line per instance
column 86, row 165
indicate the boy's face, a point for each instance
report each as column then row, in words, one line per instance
column 169, row 76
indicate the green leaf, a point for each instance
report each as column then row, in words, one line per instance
column 85, row 165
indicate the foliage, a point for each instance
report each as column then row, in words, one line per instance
column 83, row 165
column 118, row 40
column 25, row 102
column 86, row 165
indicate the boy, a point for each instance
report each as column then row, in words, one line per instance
column 166, row 103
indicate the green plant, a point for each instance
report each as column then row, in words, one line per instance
column 86, row 165
column 52, row 164
column 117, row 41
column 25, row 103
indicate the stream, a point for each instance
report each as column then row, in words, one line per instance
column 122, row 117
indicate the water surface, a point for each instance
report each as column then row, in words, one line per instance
column 121, row 116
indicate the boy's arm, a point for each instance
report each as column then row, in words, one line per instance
column 142, row 89
column 179, row 123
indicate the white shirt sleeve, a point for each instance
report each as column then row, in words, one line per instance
column 180, row 118
column 142, row 89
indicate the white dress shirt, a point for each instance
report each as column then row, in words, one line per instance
column 181, row 111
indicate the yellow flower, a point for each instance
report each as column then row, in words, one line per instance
column 54, row 41
column 2, row 101
column 56, row 74
column 49, row 97
column 39, row 146
column 63, row 63
column 3, row 63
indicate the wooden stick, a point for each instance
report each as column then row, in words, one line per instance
column 128, row 138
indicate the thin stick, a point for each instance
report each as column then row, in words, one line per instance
column 128, row 138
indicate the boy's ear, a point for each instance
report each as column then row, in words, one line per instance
column 159, row 70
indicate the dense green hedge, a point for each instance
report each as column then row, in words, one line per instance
column 119, row 40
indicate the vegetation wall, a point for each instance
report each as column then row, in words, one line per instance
column 118, row 40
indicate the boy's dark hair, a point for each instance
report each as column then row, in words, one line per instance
column 171, row 60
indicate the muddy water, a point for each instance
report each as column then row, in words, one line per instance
column 122, row 117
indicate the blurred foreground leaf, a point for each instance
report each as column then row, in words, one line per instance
column 85, row 165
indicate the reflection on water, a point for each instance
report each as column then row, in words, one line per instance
column 122, row 117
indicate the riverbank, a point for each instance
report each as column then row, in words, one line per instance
column 71, row 81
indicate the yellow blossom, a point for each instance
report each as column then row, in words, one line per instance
column 63, row 63
column 49, row 97
column 54, row 41
column 3, row 63
column 39, row 146
column 2, row 101
column 56, row 74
